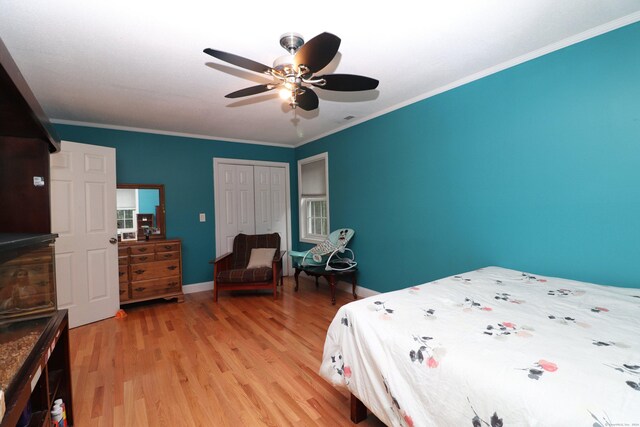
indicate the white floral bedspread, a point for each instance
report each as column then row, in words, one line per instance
column 492, row 347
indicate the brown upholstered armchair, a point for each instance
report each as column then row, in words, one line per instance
column 230, row 270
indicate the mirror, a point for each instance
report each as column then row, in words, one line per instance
column 140, row 212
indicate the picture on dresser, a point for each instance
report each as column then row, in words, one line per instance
column 128, row 235
column 140, row 212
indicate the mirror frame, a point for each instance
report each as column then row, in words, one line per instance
column 160, row 221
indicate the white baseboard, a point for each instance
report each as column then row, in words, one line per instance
column 361, row 291
column 197, row 287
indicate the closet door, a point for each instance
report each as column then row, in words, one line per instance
column 270, row 201
column 278, row 208
column 271, row 207
column 262, row 181
column 246, row 216
column 251, row 199
column 235, row 187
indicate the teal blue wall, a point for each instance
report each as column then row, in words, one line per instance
column 185, row 167
column 148, row 200
column 535, row 168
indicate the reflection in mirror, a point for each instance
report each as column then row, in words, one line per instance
column 140, row 212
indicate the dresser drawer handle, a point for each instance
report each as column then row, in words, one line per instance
column 143, row 258
column 139, row 271
column 172, row 284
column 142, row 249
column 168, row 247
column 167, row 255
column 172, row 267
column 139, row 289
column 122, row 273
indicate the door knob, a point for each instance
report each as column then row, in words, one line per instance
column 113, row 240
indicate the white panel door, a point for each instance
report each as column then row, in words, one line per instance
column 262, row 180
column 251, row 198
column 83, row 213
column 244, row 189
column 227, row 210
column 235, row 204
column 278, row 208
column 271, row 204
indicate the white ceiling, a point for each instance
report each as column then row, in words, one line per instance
column 138, row 64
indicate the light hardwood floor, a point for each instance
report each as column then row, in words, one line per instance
column 246, row 361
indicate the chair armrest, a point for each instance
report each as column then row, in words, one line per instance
column 222, row 263
column 278, row 257
column 220, row 258
column 277, row 265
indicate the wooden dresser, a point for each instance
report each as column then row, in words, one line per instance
column 150, row 269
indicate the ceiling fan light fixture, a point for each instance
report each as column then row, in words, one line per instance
column 284, row 63
column 294, row 73
column 285, row 94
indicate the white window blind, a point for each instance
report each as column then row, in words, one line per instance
column 314, row 182
column 313, row 185
column 126, row 198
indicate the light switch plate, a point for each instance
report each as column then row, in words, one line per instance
column 203, row 217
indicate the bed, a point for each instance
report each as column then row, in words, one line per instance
column 491, row 347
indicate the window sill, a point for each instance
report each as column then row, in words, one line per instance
column 311, row 240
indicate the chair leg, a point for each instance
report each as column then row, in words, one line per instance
column 215, row 292
column 275, row 284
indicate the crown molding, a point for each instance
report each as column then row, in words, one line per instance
column 577, row 38
column 166, row 133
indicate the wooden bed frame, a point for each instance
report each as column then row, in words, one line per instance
column 358, row 410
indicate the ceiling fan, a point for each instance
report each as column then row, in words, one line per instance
column 294, row 73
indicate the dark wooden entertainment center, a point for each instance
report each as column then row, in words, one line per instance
column 34, row 335
column 45, row 374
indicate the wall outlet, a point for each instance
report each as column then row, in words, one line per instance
column 203, row 217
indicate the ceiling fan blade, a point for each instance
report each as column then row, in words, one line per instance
column 253, row 90
column 239, row 61
column 347, row 82
column 308, row 100
column 318, row 52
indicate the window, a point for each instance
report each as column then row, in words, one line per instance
column 125, row 219
column 316, row 216
column 313, row 187
column 126, row 210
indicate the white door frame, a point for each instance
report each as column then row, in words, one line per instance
column 217, row 203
